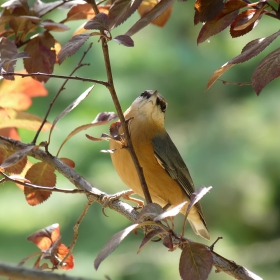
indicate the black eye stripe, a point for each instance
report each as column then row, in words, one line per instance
column 160, row 99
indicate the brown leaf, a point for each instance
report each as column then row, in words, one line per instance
column 42, row 55
column 41, row 8
column 72, row 46
column 221, row 21
column 10, row 132
column 206, row 10
column 68, row 161
column 266, row 71
column 45, row 237
column 13, row 118
column 80, row 11
column 147, row 5
column 60, row 253
column 195, row 262
column 50, row 25
column 158, row 10
column 40, row 174
column 112, row 244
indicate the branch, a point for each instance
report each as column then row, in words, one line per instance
column 23, row 273
column 220, row 263
column 76, row 78
column 115, row 99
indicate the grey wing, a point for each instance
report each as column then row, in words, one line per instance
column 170, row 159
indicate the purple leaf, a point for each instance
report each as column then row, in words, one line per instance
column 266, row 71
column 124, row 40
column 121, row 10
column 150, row 16
column 195, row 262
column 112, row 244
column 72, row 46
column 100, row 22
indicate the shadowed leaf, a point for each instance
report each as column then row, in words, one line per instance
column 100, row 22
column 150, row 211
column 40, row 174
column 72, row 46
column 16, row 158
column 266, row 71
column 50, row 25
column 42, row 55
column 148, row 237
column 112, row 244
column 42, row 8
column 206, row 10
column 124, row 40
column 160, row 8
column 195, row 261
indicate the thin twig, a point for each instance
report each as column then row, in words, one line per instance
column 76, row 228
column 111, row 88
column 76, row 78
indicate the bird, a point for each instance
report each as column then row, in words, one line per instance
column 167, row 176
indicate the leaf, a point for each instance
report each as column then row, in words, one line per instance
column 221, row 21
column 195, row 262
column 40, row 8
column 124, row 40
column 60, row 253
column 68, row 161
column 245, row 22
column 72, row 46
column 147, row 5
column 266, row 71
column 80, row 11
column 160, row 8
column 101, row 118
column 42, row 55
column 206, row 10
column 252, row 49
column 50, row 25
column 112, row 244
column 70, row 107
column 100, row 22
column 17, row 94
column 149, row 211
column 196, row 196
column 148, row 237
column 13, row 118
column 41, row 174
column 16, row 158
column 10, row 132
column 121, row 10
column 170, row 213
column 45, row 237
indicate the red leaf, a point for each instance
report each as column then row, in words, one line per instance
column 44, row 238
column 42, row 55
column 112, row 244
column 266, row 71
column 206, row 10
column 195, row 262
column 72, row 46
column 59, row 254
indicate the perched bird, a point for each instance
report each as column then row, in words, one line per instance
column 166, row 174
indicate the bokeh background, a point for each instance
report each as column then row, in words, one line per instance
column 229, row 138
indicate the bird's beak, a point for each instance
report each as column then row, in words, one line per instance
column 155, row 94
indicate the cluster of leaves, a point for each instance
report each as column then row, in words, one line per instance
column 48, row 240
column 242, row 16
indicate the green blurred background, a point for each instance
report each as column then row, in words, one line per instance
column 228, row 137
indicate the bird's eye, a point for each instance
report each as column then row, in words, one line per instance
column 146, row 94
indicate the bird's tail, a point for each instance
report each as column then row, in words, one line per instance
column 199, row 228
